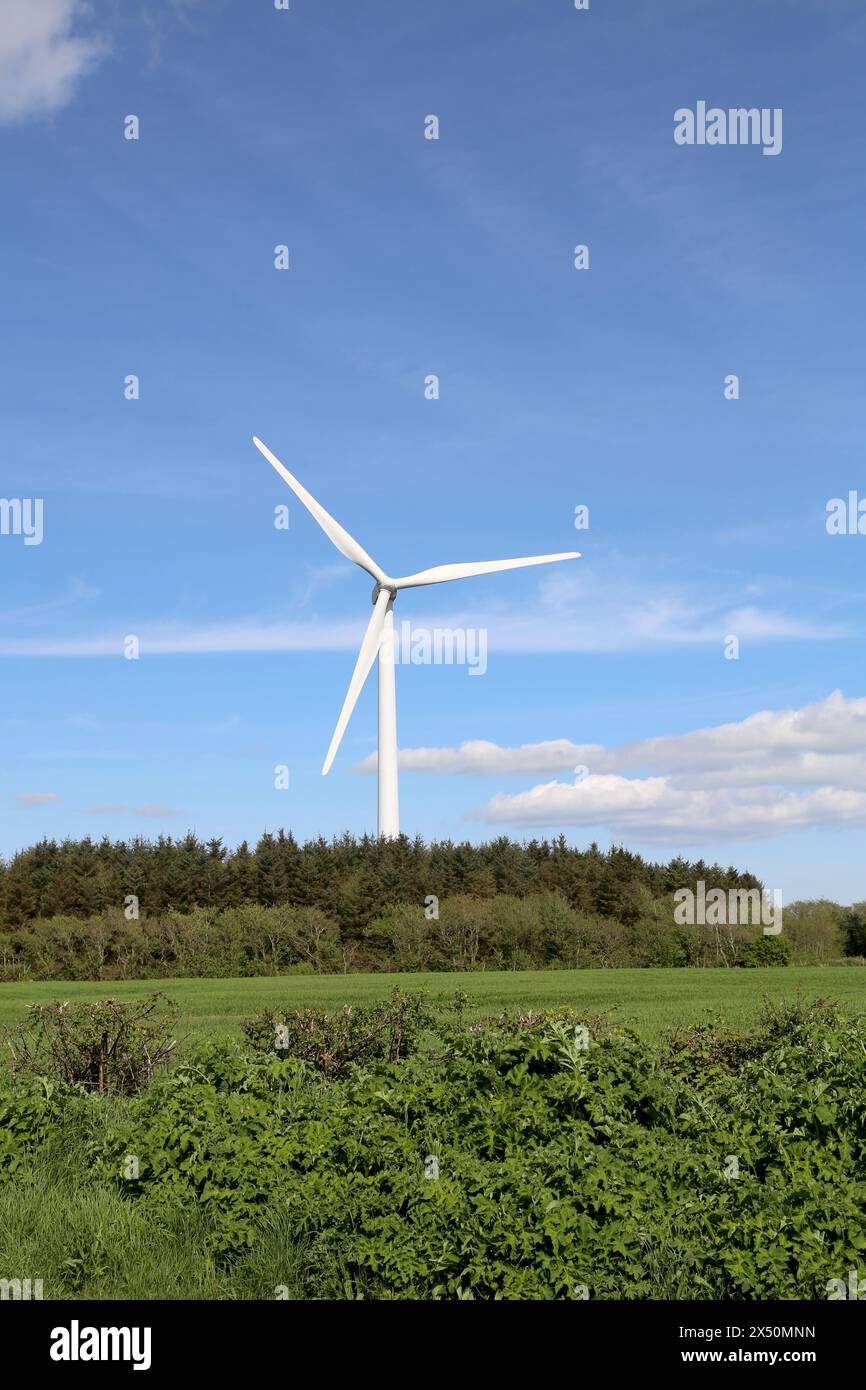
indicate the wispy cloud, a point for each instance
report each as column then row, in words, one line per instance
column 34, row 799
column 75, row 593
column 225, row 726
column 577, row 613
column 322, row 576
column 177, row 638
column 83, row 755
column 42, row 60
column 148, row 811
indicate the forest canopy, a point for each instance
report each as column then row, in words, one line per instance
column 351, row 879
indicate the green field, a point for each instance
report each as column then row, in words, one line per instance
column 648, row 1000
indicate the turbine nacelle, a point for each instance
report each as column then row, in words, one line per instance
column 388, row 586
column 385, row 591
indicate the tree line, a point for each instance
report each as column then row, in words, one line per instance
column 351, row 879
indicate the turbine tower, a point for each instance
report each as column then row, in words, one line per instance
column 379, row 637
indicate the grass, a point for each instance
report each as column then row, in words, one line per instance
column 648, row 1000
column 86, row 1241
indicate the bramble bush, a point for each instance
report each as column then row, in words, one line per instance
column 103, row 1046
column 331, row 1041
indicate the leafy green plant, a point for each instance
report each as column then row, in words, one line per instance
column 28, row 1118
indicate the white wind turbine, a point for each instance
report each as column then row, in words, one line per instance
column 379, row 637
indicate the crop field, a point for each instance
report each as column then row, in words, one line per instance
column 649, row 1001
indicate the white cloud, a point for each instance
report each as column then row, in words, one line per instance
column 37, row 798
column 482, row 758
column 728, row 781
column 41, row 59
column 803, row 745
column 656, row 808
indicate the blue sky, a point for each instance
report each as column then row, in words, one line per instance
column 558, row 388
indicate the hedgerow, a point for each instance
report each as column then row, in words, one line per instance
column 542, row 1159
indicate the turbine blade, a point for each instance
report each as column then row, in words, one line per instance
column 439, row 574
column 366, row 657
column 346, row 544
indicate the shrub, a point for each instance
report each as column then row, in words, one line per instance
column 402, row 938
column 561, row 1016
column 331, row 1041
column 765, row 950
column 815, row 930
column 854, row 928
column 104, row 1046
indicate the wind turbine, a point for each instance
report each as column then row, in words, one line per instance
column 379, row 637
